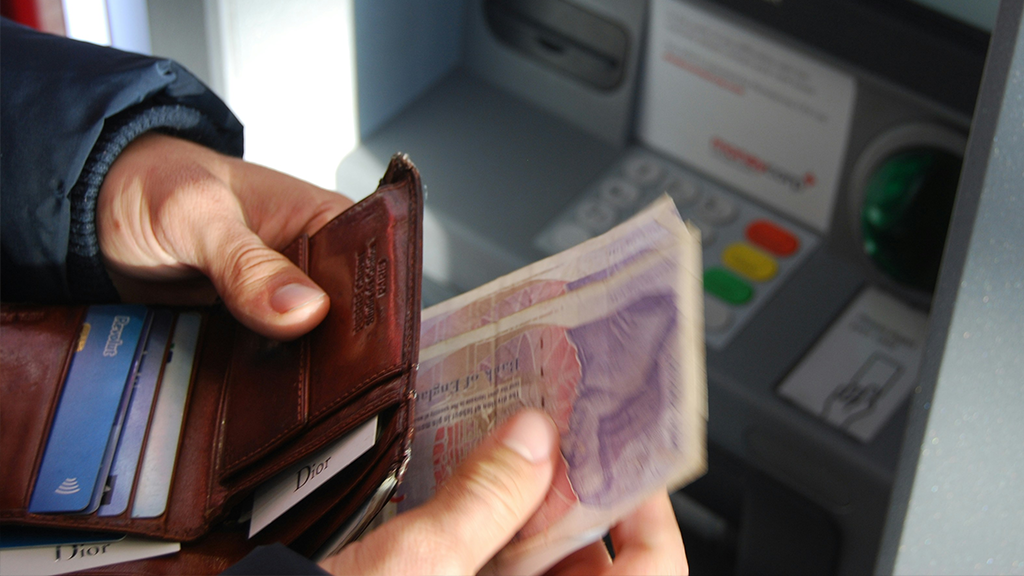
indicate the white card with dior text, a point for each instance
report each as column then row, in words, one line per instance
column 288, row 488
column 72, row 557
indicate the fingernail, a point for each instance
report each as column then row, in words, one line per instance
column 292, row 296
column 531, row 436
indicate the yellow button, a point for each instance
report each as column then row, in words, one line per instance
column 750, row 262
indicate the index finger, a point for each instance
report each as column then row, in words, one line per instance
column 648, row 540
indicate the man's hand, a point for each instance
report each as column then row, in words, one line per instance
column 646, row 542
column 472, row 516
column 171, row 211
column 491, row 496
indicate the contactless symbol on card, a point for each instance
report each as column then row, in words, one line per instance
column 68, row 486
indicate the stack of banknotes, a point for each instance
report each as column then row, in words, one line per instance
column 606, row 338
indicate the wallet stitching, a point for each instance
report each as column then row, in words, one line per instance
column 303, row 383
column 357, row 209
column 411, row 325
column 219, row 431
column 358, row 389
column 410, row 187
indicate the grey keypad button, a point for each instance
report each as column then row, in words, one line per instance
column 708, row 233
column 567, row 235
column 619, row 193
column 644, row 172
column 718, row 317
column 595, row 216
column 685, row 191
column 716, row 209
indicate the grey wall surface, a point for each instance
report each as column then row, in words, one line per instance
column 402, row 48
column 177, row 30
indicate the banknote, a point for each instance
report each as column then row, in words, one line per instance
column 592, row 260
column 616, row 360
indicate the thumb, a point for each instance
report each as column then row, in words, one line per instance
column 261, row 287
column 474, row 514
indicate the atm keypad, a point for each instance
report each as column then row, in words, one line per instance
column 748, row 250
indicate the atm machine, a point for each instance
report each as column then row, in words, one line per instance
column 816, row 143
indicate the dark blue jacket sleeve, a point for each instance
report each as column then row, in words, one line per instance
column 68, row 109
column 276, row 559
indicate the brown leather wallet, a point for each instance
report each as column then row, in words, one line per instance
column 255, row 406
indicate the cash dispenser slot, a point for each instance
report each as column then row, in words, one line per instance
column 574, row 41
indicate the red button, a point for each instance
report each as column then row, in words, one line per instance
column 772, row 237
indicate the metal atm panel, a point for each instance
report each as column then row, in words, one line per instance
column 522, row 158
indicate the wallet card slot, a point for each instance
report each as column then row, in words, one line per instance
column 187, row 517
column 346, row 491
column 36, row 345
column 265, row 400
column 314, row 438
column 342, row 496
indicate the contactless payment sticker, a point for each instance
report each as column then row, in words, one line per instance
column 757, row 115
column 863, row 368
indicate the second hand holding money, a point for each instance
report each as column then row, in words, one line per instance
column 491, row 496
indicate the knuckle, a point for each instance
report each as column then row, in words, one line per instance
column 245, row 263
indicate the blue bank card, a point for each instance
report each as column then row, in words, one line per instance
column 122, row 412
column 129, row 448
column 69, row 474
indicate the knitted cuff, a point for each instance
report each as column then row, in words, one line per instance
column 88, row 280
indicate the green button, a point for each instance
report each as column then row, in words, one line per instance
column 727, row 286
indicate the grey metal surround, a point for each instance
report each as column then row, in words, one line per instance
column 958, row 501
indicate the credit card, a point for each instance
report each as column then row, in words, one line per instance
column 76, row 556
column 122, row 411
column 129, row 448
column 161, row 451
column 69, row 473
